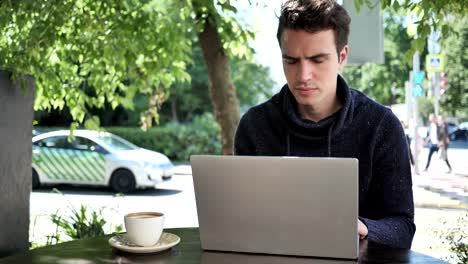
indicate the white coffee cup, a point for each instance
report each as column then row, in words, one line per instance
column 144, row 228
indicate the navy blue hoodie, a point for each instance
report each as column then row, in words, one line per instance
column 361, row 129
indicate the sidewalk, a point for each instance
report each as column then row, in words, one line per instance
column 436, row 187
column 441, row 201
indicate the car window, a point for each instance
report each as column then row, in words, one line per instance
column 117, row 143
column 52, row 142
column 81, row 143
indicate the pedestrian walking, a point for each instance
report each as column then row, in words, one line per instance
column 444, row 140
column 432, row 139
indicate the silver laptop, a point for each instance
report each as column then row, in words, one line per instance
column 277, row 205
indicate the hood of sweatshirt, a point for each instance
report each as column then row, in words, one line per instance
column 326, row 128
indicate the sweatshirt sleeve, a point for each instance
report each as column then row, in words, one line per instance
column 243, row 139
column 391, row 196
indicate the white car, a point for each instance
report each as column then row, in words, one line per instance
column 96, row 158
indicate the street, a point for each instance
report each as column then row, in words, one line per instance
column 175, row 198
column 439, row 203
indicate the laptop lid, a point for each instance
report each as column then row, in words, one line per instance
column 277, row 205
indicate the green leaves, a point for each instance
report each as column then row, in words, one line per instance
column 84, row 53
column 234, row 35
column 455, row 101
column 385, row 82
column 418, row 44
column 433, row 14
column 358, row 4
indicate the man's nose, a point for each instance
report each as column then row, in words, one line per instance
column 305, row 72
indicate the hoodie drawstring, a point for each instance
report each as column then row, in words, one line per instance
column 330, row 130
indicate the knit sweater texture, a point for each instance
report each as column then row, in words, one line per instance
column 361, row 129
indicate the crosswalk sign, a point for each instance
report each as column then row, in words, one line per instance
column 435, row 63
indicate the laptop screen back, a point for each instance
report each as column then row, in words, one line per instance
column 277, row 205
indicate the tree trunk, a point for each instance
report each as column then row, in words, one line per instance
column 174, row 109
column 16, row 123
column 223, row 92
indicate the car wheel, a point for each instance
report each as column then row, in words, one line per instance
column 35, row 179
column 122, row 181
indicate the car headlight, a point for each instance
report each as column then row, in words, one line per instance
column 166, row 166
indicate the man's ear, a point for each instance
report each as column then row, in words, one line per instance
column 343, row 57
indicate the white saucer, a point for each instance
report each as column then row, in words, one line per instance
column 166, row 241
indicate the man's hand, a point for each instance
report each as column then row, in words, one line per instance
column 362, row 230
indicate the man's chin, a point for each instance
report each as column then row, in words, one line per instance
column 307, row 103
column 310, row 99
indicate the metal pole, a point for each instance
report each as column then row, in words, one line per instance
column 408, row 103
column 436, row 92
column 416, row 68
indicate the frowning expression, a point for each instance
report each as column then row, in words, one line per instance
column 311, row 65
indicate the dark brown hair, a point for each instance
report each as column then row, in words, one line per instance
column 314, row 16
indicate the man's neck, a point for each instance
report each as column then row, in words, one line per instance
column 317, row 113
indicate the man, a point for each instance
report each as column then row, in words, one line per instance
column 316, row 114
column 432, row 139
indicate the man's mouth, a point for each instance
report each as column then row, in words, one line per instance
column 306, row 90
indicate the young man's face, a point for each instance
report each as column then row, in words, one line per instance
column 311, row 65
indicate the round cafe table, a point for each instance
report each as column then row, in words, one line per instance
column 98, row 250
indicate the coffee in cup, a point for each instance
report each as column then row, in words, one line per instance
column 144, row 228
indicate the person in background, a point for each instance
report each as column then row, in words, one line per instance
column 432, row 139
column 444, row 141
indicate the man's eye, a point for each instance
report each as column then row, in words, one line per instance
column 290, row 61
column 318, row 61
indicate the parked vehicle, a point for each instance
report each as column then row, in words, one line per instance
column 451, row 127
column 461, row 132
column 96, row 158
column 36, row 132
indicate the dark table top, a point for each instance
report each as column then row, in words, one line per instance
column 98, row 250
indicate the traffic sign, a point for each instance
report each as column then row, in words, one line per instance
column 435, row 63
column 433, row 45
column 412, row 17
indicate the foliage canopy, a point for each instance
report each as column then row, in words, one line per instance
column 455, row 101
column 432, row 13
column 118, row 48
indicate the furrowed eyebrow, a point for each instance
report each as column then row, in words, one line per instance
column 314, row 57
column 318, row 56
column 288, row 57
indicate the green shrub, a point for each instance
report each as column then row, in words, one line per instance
column 72, row 223
column 80, row 224
column 457, row 239
column 177, row 141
